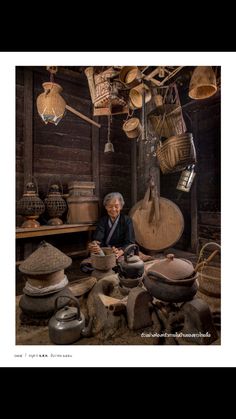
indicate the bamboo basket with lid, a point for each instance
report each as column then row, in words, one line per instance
column 132, row 128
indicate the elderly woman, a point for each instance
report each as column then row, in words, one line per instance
column 114, row 229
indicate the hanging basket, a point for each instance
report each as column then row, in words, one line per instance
column 167, row 119
column 132, row 128
column 175, row 153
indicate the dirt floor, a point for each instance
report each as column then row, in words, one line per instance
column 36, row 332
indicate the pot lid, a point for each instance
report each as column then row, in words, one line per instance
column 67, row 313
column 133, row 259
column 131, row 124
column 46, row 259
column 173, row 268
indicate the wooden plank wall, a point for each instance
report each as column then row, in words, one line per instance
column 66, row 152
column 115, row 168
column 204, row 121
column 19, row 131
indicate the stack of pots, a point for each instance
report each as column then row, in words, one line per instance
column 45, row 281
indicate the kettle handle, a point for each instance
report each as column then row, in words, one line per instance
column 69, row 298
column 128, row 249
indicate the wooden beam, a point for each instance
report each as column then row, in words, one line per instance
column 95, row 158
column 28, row 125
column 82, row 116
column 194, row 215
column 133, row 172
column 22, row 233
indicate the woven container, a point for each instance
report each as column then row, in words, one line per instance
column 175, row 153
column 209, row 281
column 202, row 83
column 167, row 120
column 135, row 95
column 46, row 279
column 132, row 128
column 50, row 105
column 130, row 76
column 82, row 209
column 104, row 263
column 107, row 92
column 81, row 188
column 45, row 259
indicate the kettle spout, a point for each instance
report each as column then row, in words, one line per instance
column 87, row 331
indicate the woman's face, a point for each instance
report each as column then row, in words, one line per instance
column 113, row 208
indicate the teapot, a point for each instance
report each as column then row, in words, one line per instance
column 67, row 325
column 132, row 266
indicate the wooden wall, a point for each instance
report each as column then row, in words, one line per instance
column 203, row 120
column 65, row 152
column 75, row 150
column 72, row 150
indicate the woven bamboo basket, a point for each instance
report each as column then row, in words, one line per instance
column 209, row 278
column 167, row 120
column 135, row 95
column 130, row 76
column 132, row 128
column 50, row 104
column 107, row 92
column 175, row 153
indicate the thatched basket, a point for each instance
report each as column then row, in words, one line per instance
column 132, row 128
column 136, row 96
column 130, row 76
column 167, row 120
column 175, row 153
column 203, row 83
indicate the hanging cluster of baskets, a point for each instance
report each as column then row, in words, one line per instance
column 175, row 148
column 116, row 91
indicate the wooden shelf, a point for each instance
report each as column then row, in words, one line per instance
column 22, row 233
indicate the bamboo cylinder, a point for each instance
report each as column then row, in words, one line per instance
column 89, row 74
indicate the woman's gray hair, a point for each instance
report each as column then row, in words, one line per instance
column 114, row 195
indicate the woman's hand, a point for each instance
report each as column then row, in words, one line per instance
column 94, row 247
column 118, row 252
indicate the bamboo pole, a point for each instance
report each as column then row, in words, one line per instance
column 83, row 116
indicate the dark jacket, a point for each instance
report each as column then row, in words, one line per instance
column 123, row 235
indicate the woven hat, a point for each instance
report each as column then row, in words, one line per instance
column 45, row 259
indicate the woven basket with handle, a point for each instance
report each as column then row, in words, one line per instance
column 175, row 153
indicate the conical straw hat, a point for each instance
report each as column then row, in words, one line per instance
column 46, row 259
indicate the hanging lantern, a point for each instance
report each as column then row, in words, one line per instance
column 30, row 206
column 50, row 104
column 186, row 179
column 203, row 83
column 55, row 205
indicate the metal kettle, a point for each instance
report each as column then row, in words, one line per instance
column 132, row 266
column 67, row 325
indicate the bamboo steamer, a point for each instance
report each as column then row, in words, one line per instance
column 157, row 224
column 130, row 76
column 135, row 95
column 132, row 127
